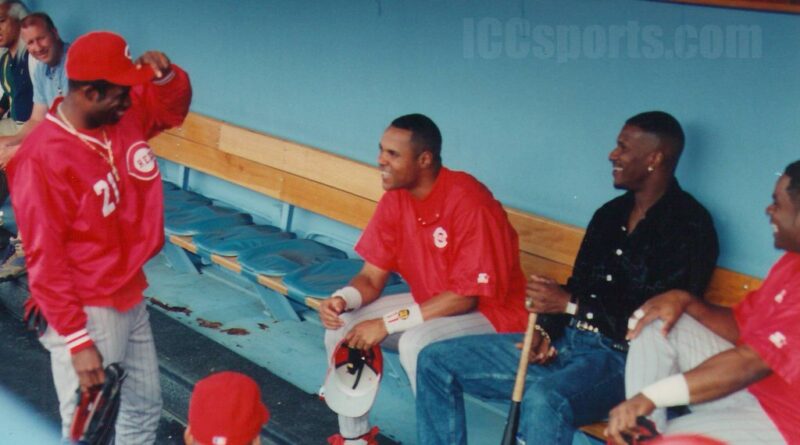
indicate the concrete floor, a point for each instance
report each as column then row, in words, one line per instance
column 184, row 358
column 29, row 394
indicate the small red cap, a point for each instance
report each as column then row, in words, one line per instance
column 103, row 55
column 226, row 409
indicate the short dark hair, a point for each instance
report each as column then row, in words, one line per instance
column 424, row 134
column 793, row 189
column 35, row 17
column 667, row 128
column 102, row 86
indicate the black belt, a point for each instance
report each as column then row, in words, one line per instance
column 588, row 327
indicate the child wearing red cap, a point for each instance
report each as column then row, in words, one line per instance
column 225, row 409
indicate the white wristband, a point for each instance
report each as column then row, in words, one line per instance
column 403, row 319
column 351, row 297
column 671, row 391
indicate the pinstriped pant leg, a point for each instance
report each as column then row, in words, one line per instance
column 737, row 419
column 108, row 330
column 64, row 377
column 653, row 357
column 126, row 338
column 140, row 410
column 745, row 424
column 121, row 337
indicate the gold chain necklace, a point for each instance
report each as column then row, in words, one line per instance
column 106, row 144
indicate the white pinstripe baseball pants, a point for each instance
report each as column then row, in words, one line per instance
column 409, row 343
column 121, row 337
column 737, row 419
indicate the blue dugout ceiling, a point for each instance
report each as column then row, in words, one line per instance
column 530, row 95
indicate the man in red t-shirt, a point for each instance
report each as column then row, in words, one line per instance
column 90, row 209
column 737, row 369
column 448, row 237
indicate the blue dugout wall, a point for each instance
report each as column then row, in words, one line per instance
column 530, row 95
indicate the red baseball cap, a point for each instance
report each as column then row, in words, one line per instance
column 226, row 409
column 353, row 379
column 103, row 55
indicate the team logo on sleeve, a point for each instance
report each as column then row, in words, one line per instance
column 439, row 238
column 779, row 297
column 483, row 278
column 142, row 161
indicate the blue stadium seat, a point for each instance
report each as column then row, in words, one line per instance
column 178, row 199
column 232, row 241
column 320, row 280
column 281, row 258
column 196, row 220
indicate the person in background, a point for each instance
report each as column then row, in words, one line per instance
column 16, row 101
column 49, row 83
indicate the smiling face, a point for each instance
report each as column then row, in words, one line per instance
column 42, row 43
column 636, row 150
column 784, row 216
column 400, row 165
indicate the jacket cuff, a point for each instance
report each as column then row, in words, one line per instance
column 164, row 80
column 78, row 341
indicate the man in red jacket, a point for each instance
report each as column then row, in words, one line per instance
column 89, row 206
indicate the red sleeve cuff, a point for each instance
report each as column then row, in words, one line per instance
column 78, row 341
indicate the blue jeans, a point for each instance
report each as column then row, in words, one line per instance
column 579, row 386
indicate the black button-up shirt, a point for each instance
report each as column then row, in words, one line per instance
column 673, row 247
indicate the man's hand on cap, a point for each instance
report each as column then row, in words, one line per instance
column 158, row 61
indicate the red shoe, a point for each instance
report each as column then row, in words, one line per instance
column 367, row 439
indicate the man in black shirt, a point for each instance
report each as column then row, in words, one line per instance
column 652, row 239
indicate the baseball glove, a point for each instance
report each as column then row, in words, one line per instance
column 96, row 414
column 33, row 318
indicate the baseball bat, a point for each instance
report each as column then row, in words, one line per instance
column 512, row 422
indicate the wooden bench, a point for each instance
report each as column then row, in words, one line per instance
column 348, row 191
